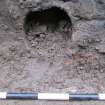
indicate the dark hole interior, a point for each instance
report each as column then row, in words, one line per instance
column 50, row 20
column 74, row 1
column 65, row 0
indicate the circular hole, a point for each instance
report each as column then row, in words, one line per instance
column 52, row 20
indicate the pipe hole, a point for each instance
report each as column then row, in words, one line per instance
column 51, row 20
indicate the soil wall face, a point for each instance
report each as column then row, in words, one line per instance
column 52, row 46
column 77, row 10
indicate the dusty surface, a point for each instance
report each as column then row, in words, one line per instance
column 44, row 60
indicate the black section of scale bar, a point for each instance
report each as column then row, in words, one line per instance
column 22, row 96
column 84, row 97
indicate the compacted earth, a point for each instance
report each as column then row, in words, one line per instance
column 50, row 52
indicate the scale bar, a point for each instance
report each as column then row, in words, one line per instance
column 51, row 96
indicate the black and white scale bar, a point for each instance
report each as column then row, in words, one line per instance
column 51, row 96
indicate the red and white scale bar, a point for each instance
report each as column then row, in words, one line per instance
column 51, row 96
